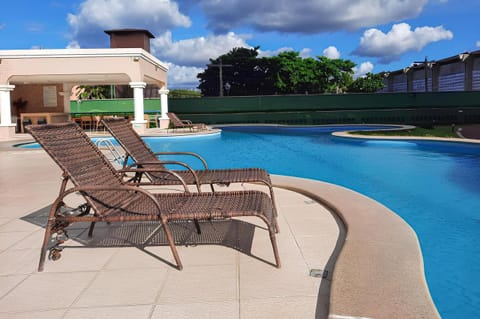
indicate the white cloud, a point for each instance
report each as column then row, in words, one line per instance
column 478, row 44
column 186, row 58
column 73, row 45
column 95, row 16
column 2, row 26
column 306, row 16
column 269, row 53
column 400, row 39
column 364, row 68
column 331, row 52
column 182, row 76
column 195, row 51
column 305, row 52
column 35, row 27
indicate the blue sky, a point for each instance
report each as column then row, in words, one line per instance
column 377, row 35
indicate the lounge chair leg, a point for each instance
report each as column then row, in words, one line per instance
column 272, row 196
column 275, row 212
column 90, row 230
column 171, row 242
column 197, row 226
column 46, row 239
column 275, row 225
column 274, row 246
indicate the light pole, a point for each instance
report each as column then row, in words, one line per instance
column 426, row 64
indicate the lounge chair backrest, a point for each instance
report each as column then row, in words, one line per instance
column 82, row 162
column 175, row 120
column 122, row 131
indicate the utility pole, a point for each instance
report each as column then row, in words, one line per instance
column 220, row 66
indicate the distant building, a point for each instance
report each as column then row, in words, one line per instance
column 456, row 73
column 37, row 84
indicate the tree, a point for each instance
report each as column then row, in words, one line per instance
column 302, row 75
column 97, row 92
column 241, row 69
column 368, row 84
column 183, row 94
column 335, row 74
column 286, row 73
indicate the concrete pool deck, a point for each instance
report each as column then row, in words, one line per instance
column 369, row 257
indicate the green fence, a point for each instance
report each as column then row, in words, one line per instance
column 410, row 108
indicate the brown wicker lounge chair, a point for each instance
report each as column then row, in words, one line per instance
column 143, row 156
column 178, row 123
column 109, row 199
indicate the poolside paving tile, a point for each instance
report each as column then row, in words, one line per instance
column 4, row 221
column 16, row 225
column 275, row 308
column 9, row 282
column 138, row 286
column 262, row 252
column 206, row 255
column 34, row 239
column 203, row 310
column 131, row 257
column 73, row 260
column 285, row 282
column 127, row 312
column 9, row 239
column 316, row 250
column 45, row 291
column 200, row 284
column 48, row 314
column 22, row 261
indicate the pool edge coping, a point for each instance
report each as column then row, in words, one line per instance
column 349, row 134
column 379, row 270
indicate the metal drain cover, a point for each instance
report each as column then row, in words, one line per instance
column 318, row 273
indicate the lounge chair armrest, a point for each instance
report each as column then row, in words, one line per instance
column 161, row 163
column 204, row 162
column 124, row 188
column 129, row 169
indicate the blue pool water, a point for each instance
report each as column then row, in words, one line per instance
column 434, row 186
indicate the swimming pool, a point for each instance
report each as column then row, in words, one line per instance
column 434, row 186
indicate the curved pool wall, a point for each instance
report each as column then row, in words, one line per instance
column 387, row 278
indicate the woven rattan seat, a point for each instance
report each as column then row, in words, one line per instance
column 143, row 156
column 109, row 199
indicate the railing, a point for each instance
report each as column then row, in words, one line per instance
column 113, row 154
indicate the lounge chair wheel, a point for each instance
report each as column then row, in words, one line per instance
column 55, row 254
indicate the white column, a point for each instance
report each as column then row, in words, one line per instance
column 164, row 102
column 66, row 94
column 7, row 128
column 163, row 121
column 138, row 102
column 6, row 111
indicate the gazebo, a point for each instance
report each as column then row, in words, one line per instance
column 53, row 73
